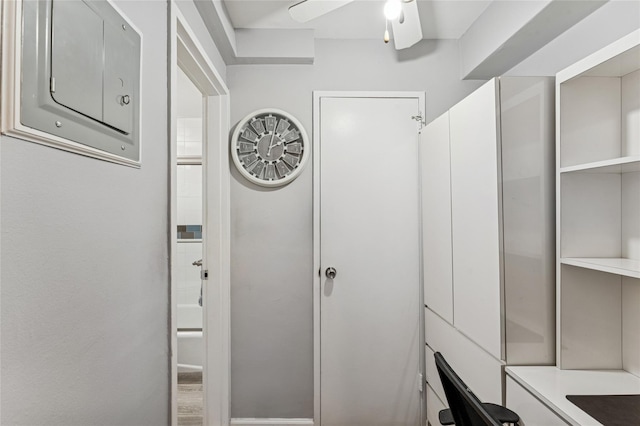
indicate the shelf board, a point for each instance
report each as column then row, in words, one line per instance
column 618, row 66
column 551, row 386
column 616, row 60
column 616, row 165
column 625, row 267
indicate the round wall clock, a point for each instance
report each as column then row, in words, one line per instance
column 270, row 147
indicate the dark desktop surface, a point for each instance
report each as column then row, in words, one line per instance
column 610, row 410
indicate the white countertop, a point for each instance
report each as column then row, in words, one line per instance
column 551, row 386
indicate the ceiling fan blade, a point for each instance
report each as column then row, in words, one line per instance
column 409, row 32
column 310, row 9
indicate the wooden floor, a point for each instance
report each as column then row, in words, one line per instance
column 190, row 399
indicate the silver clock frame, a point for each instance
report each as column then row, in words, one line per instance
column 238, row 161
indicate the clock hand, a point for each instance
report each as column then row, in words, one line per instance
column 276, row 144
column 271, row 143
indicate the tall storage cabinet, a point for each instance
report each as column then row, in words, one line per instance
column 487, row 168
column 598, row 175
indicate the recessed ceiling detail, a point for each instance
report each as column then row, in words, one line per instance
column 494, row 35
column 359, row 19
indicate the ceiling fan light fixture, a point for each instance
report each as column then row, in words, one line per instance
column 386, row 31
column 392, row 9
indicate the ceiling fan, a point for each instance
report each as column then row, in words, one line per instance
column 403, row 15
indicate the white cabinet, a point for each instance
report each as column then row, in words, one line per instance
column 598, row 209
column 488, row 213
column 487, row 174
column 476, row 218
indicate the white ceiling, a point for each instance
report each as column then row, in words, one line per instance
column 361, row 19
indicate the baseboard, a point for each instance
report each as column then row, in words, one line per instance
column 271, row 422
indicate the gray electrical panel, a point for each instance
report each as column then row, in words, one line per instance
column 81, row 75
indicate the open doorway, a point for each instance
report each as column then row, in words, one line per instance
column 187, row 262
column 199, row 227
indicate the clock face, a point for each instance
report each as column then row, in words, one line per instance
column 269, row 147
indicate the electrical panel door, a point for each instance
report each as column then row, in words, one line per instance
column 76, row 58
column 81, row 77
column 120, row 67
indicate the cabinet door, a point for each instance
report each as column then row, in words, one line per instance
column 479, row 370
column 434, row 405
column 436, row 217
column 475, row 207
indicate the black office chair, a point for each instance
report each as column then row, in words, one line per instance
column 465, row 409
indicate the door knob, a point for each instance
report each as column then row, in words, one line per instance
column 331, row 273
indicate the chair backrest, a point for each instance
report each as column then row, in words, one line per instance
column 466, row 408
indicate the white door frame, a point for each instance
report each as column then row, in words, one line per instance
column 186, row 50
column 317, row 278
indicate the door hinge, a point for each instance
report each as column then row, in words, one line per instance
column 420, row 382
column 52, row 85
column 204, row 274
column 420, row 119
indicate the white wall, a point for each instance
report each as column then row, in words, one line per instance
column 85, row 280
column 271, row 300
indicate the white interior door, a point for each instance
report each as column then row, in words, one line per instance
column 369, row 221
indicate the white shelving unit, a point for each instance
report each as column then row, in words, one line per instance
column 598, row 209
column 598, row 239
